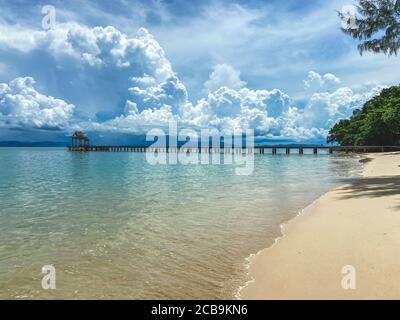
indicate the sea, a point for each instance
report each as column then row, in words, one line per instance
column 111, row 225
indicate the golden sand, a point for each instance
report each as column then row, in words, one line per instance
column 356, row 225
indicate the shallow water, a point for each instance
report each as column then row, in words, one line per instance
column 115, row 226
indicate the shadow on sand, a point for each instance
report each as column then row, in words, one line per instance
column 373, row 187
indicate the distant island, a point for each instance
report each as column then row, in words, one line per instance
column 44, row 144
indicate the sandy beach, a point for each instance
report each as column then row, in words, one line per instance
column 355, row 225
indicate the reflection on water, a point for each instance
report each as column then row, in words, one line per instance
column 116, row 227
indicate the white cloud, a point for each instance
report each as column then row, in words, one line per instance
column 170, row 92
column 229, row 103
column 98, row 46
column 317, row 82
column 137, row 70
column 274, row 115
column 224, row 75
column 325, row 108
column 104, row 63
column 18, row 37
column 22, row 106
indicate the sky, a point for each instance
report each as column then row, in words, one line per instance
column 117, row 69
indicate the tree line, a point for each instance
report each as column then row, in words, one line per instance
column 377, row 123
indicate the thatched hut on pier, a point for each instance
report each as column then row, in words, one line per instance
column 79, row 141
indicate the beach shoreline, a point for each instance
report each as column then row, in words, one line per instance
column 338, row 231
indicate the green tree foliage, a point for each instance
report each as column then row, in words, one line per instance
column 377, row 26
column 377, row 123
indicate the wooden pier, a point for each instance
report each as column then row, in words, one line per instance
column 297, row 149
column 81, row 143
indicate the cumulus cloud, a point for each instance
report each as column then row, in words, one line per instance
column 274, row 115
column 22, row 106
column 101, row 62
column 170, row 92
column 324, row 109
column 224, row 109
column 316, row 82
column 230, row 103
column 271, row 113
column 224, row 75
column 98, row 46
column 136, row 72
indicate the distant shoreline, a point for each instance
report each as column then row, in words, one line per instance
column 356, row 224
column 32, row 145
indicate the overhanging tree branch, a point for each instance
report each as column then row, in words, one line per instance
column 377, row 26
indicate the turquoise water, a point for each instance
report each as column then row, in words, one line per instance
column 115, row 226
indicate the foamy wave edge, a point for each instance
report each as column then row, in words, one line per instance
column 248, row 262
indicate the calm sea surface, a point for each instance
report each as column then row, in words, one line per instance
column 115, row 226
